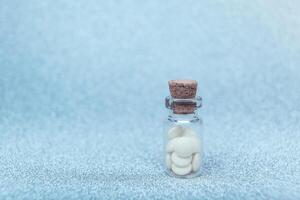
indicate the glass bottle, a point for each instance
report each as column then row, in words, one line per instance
column 183, row 132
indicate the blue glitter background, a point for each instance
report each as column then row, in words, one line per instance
column 82, row 87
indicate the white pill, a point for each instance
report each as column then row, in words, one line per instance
column 184, row 146
column 189, row 132
column 168, row 161
column 181, row 170
column 170, row 146
column 179, row 161
column 175, row 132
column 196, row 162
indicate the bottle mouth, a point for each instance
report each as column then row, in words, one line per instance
column 183, row 106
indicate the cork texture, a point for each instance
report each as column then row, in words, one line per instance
column 183, row 89
column 183, row 108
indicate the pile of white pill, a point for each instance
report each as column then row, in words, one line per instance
column 183, row 151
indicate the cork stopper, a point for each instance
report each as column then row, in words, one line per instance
column 181, row 91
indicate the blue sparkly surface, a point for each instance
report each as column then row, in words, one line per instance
column 82, row 87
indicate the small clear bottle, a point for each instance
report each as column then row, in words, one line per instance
column 183, row 129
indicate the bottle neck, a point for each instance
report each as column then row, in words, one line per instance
column 183, row 118
column 183, row 110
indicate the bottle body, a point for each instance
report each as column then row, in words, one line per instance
column 183, row 130
column 183, row 144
